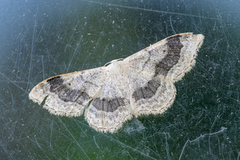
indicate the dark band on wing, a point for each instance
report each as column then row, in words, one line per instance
column 108, row 105
column 162, row 68
column 55, row 82
column 174, row 49
column 65, row 93
column 148, row 91
column 72, row 95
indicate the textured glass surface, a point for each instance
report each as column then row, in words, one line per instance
column 42, row 38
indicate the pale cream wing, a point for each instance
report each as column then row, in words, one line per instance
column 171, row 57
column 150, row 95
column 68, row 94
column 143, row 83
column 153, row 71
column 111, row 107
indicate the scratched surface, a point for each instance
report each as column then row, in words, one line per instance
column 40, row 39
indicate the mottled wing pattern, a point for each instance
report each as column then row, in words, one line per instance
column 142, row 83
column 152, row 71
column 150, row 95
column 111, row 106
column 68, row 94
column 171, row 57
column 184, row 58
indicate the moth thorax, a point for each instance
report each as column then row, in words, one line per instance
column 116, row 67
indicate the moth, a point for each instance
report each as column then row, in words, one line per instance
column 140, row 84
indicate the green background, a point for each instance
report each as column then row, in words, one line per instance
column 43, row 38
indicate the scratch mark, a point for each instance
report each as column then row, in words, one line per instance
column 101, row 33
column 95, row 142
column 148, row 10
column 37, row 142
column 105, row 49
column 51, row 134
column 4, row 148
column 172, row 25
column 43, row 67
column 202, row 136
column 85, row 60
column 13, row 82
column 209, row 138
column 74, row 53
column 167, row 146
column 4, row 103
column 40, row 30
column 33, row 36
column 80, row 128
column 67, row 45
column 74, row 138
column 214, row 27
column 142, row 153
column 238, row 155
